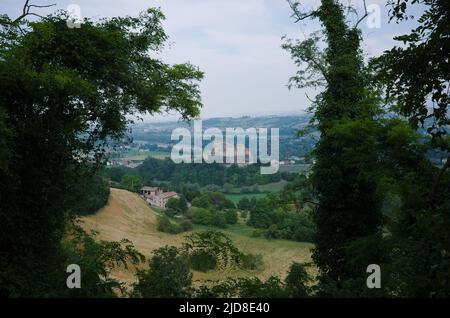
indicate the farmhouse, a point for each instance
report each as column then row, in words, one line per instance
column 155, row 196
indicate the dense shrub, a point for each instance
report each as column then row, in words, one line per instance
column 202, row 216
column 177, row 206
column 186, row 225
column 168, row 275
column 297, row 281
column 231, row 216
column 213, row 200
column 202, row 261
column 164, row 224
column 251, row 261
column 92, row 193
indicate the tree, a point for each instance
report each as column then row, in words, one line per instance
column 231, row 216
column 97, row 259
column 63, row 94
column 244, row 204
column 177, row 205
column 202, row 216
column 348, row 207
column 168, row 275
column 416, row 80
column 416, row 75
column 216, row 244
column 297, row 281
column 131, row 182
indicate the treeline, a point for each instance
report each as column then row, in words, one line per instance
column 203, row 174
column 283, row 215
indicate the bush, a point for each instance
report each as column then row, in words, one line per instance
column 251, row 261
column 258, row 233
column 177, row 205
column 186, row 225
column 244, row 204
column 202, row 216
column 219, row 220
column 210, row 200
column 131, row 182
column 90, row 195
column 253, row 287
column 165, row 225
column 231, row 216
column 297, row 281
column 168, row 276
column 202, row 261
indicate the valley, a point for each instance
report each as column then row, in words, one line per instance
column 127, row 215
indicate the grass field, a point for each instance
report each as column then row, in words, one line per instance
column 128, row 216
column 273, row 187
column 264, row 190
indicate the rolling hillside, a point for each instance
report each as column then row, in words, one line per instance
column 128, row 216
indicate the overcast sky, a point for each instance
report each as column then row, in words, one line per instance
column 236, row 43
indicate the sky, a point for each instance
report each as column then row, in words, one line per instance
column 237, row 43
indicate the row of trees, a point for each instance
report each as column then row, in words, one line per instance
column 166, row 170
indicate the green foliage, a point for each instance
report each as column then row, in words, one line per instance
column 131, row 182
column 415, row 75
column 202, row 216
column 252, row 261
column 63, row 94
column 297, row 281
column 203, row 175
column 216, row 244
column 168, row 275
column 186, row 225
column 417, row 72
column 116, row 174
column 202, row 261
column 176, row 206
column 276, row 217
column 164, row 224
column 212, row 200
column 249, row 287
column 231, row 216
column 244, row 204
column 92, row 193
column 96, row 259
column 214, row 217
column 348, row 205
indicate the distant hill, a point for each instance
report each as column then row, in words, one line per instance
column 289, row 126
